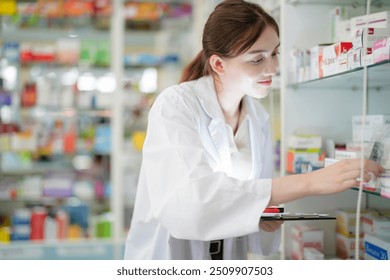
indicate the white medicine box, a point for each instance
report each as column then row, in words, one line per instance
column 306, row 236
column 372, row 125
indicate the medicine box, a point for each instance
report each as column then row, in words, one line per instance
column 346, row 221
column 329, row 161
column 357, row 58
column 310, row 253
column 384, row 181
column 303, row 160
column 304, row 141
column 377, row 20
column 377, row 223
column 381, row 50
column 314, row 63
column 345, row 247
column 372, row 125
column 376, row 248
column 369, row 36
column 333, row 58
column 306, row 236
column 344, row 154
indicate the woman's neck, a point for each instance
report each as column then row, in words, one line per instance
column 231, row 108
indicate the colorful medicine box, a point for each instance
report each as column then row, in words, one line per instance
column 376, row 248
column 333, row 58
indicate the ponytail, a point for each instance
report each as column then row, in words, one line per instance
column 195, row 69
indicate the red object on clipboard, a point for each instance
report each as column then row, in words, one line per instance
column 273, row 210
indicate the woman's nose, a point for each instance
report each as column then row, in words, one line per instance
column 272, row 67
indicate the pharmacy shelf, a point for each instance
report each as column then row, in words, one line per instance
column 378, row 76
column 370, row 192
column 326, row 106
column 133, row 38
column 64, row 250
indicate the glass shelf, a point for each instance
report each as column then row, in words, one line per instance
column 378, row 77
column 369, row 192
column 42, row 112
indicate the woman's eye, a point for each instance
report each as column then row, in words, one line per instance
column 275, row 53
column 256, row 61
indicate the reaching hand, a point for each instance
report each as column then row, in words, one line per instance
column 270, row 226
column 335, row 178
column 342, row 175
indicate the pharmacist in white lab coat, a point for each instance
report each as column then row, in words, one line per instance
column 206, row 174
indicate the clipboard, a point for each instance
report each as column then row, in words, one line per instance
column 287, row 216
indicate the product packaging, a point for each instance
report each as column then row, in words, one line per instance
column 310, row 253
column 345, row 247
column 333, row 58
column 372, row 124
column 306, row 236
column 346, row 221
column 20, row 220
column 376, row 20
column 58, row 184
column 381, row 50
column 376, row 248
column 377, row 223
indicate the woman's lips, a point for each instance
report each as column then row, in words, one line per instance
column 266, row 83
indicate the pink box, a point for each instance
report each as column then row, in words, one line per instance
column 381, row 50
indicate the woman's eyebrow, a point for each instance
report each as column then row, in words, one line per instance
column 262, row 51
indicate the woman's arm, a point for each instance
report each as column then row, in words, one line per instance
column 335, row 178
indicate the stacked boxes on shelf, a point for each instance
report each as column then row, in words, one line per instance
column 373, row 238
column 345, row 234
column 358, row 43
column 374, row 134
column 376, row 228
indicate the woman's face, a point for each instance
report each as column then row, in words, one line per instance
column 251, row 72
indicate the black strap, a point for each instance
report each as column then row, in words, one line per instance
column 216, row 249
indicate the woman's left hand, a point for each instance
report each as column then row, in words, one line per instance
column 270, row 226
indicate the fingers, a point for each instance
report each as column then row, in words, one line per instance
column 351, row 183
column 355, row 174
column 270, row 226
column 374, row 167
column 368, row 165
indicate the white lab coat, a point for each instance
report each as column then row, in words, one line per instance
column 185, row 197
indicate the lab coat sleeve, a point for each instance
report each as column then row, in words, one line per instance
column 264, row 243
column 188, row 198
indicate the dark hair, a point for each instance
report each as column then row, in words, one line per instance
column 231, row 29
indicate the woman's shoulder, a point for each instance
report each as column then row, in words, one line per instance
column 178, row 93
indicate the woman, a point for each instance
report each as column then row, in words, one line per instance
column 206, row 174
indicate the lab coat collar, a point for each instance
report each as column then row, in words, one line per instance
column 206, row 94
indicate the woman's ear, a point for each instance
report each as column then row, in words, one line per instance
column 217, row 64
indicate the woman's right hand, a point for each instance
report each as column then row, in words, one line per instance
column 335, row 178
column 342, row 175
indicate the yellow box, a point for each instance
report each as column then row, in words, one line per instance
column 346, row 221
